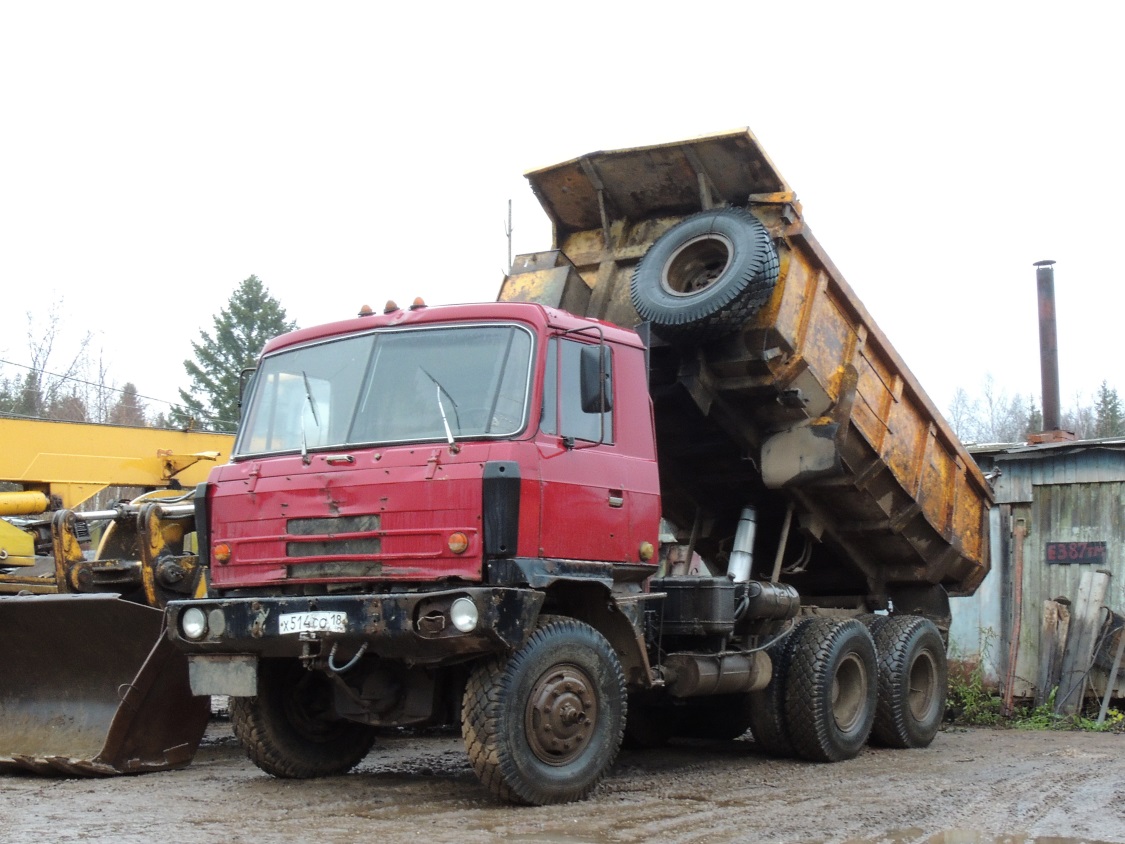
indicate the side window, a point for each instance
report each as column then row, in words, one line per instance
column 550, row 423
column 563, row 412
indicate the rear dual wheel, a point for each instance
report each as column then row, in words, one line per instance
column 912, row 682
column 830, row 694
column 768, row 723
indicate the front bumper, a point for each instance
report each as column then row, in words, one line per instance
column 414, row 626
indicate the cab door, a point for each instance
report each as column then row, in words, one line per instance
column 594, row 492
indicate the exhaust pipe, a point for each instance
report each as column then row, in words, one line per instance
column 742, row 554
column 1048, row 345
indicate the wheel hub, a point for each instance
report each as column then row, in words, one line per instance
column 697, row 264
column 849, row 692
column 561, row 713
column 922, row 694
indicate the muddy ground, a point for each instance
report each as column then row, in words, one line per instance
column 975, row 785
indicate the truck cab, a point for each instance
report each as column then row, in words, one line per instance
column 438, row 446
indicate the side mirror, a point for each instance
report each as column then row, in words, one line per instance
column 594, row 376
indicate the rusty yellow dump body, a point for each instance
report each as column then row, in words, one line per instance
column 805, row 408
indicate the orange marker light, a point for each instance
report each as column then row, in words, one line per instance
column 458, row 543
column 222, row 553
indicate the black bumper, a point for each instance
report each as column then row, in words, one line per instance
column 413, row 625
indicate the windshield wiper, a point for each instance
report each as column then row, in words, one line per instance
column 316, row 418
column 441, row 407
column 309, row 396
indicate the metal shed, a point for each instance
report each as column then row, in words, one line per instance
column 1059, row 512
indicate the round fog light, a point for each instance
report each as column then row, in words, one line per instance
column 464, row 615
column 194, row 623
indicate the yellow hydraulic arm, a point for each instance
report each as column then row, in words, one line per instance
column 76, row 460
column 62, row 464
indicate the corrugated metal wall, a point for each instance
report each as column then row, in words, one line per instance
column 1068, row 500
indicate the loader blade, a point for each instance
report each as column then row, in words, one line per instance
column 90, row 685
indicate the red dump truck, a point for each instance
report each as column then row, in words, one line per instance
column 675, row 482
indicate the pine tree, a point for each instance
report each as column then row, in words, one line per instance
column 128, row 409
column 250, row 318
column 68, row 407
column 1109, row 418
column 30, row 401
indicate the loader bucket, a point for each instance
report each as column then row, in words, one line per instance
column 89, row 685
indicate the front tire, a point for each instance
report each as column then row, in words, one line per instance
column 544, row 724
column 830, row 697
column 913, row 677
column 290, row 730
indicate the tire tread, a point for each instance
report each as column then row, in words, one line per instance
column 894, row 642
column 808, row 704
column 261, row 730
column 729, row 303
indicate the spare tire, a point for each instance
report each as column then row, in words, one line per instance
column 706, row 275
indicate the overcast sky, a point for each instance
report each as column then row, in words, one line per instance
column 154, row 155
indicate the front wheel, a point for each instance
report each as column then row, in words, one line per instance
column 290, row 730
column 544, row 724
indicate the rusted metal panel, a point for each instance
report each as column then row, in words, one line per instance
column 909, row 504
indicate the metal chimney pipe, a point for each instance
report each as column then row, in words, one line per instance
column 1048, row 345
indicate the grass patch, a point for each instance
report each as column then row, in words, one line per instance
column 971, row 703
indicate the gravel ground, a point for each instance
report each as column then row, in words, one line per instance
column 971, row 785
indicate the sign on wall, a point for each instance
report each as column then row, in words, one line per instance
column 1066, row 553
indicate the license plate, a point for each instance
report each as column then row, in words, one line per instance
column 313, row 622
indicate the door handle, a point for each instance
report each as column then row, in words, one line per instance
column 616, row 498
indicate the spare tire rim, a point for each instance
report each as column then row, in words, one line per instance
column 849, row 693
column 697, row 264
column 561, row 714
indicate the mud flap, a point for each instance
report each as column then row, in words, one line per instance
column 91, row 686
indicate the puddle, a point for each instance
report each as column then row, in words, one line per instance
column 967, row 836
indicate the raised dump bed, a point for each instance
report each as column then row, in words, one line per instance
column 775, row 388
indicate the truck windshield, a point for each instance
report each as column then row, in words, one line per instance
column 409, row 385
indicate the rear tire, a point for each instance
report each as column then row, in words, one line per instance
column 913, row 679
column 830, row 699
column 768, row 722
column 290, row 730
column 544, row 724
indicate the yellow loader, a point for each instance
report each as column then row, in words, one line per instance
column 90, row 684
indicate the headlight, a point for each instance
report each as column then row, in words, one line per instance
column 193, row 623
column 464, row 615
